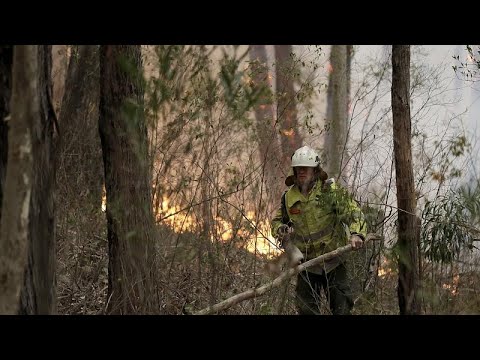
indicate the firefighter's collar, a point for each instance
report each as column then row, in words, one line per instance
column 294, row 195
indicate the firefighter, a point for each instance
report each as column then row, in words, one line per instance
column 319, row 216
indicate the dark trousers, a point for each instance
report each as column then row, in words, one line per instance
column 335, row 285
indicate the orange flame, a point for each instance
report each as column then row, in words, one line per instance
column 222, row 229
column 104, row 199
column 453, row 287
column 263, row 245
column 384, row 269
column 172, row 216
column 262, row 242
column 290, row 132
column 180, row 222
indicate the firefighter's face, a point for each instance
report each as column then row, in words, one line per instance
column 304, row 174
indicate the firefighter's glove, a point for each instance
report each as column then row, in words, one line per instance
column 283, row 232
column 356, row 241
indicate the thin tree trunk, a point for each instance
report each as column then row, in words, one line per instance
column 6, row 58
column 78, row 119
column 59, row 74
column 268, row 143
column 337, row 112
column 81, row 82
column 207, row 218
column 349, row 76
column 407, row 234
column 130, row 222
column 290, row 137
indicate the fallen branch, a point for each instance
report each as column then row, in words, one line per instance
column 256, row 292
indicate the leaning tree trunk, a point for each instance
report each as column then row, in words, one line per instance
column 337, row 113
column 6, row 56
column 268, row 144
column 407, row 223
column 27, row 226
column 123, row 135
column 290, row 137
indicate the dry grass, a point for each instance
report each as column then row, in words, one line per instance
column 191, row 278
column 82, row 262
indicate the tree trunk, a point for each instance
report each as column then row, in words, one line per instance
column 78, row 119
column 349, row 75
column 59, row 74
column 123, row 134
column 6, row 57
column 337, row 113
column 39, row 292
column 18, row 185
column 27, row 229
column 290, row 137
column 268, row 144
column 407, row 234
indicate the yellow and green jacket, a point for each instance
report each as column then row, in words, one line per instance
column 321, row 219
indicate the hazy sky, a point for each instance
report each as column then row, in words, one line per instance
column 464, row 95
column 453, row 108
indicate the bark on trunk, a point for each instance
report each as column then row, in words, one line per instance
column 268, row 143
column 78, row 122
column 6, row 58
column 407, row 234
column 39, row 290
column 59, row 74
column 27, row 225
column 337, row 113
column 123, row 135
column 290, row 137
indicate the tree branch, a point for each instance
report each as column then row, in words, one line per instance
column 256, row 292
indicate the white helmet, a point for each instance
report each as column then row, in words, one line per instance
column 305, row 156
